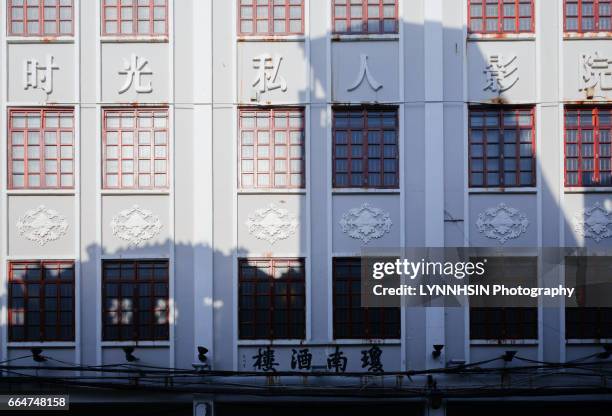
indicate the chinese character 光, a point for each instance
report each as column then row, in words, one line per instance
column 364, row 73
column 370, row 359
column 302, row 359
column 36, row 75
column 337, row 361
column 264, row 360
column 595, row 70
column 267, row 73
column 134, row 70
column 501, row 73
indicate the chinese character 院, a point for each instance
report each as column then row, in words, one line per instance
column 501, row 73
column 267, row 78
column 264, row 360
column 39, row 76
column 135, row 68
column 595, row 70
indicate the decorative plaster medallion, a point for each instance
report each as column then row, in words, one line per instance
column 135, row 225
column 42, row 225
column 502, row 223
column 594, row 222
column 272, row 224
column 366, row 223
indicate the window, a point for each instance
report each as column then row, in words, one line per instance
column 502, row 147
column 365, row 16
column 271, row 17
column 588, row 315
column 272, row 148
column 351, row 321
column 41, row 301
column 501, row 16
column 135, row 300
column 491, row 321
column 588, row 142
column 271, row 299
column 40, row 17
column 135, row 17
column 135, row 148
column 41, row 148
column 588, row 15
column 365, row 148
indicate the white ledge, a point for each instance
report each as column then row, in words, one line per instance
column 587, row 190
column 574, row 341
column 51, row 344
column 135, row 344
column 476, row 37
column 304, row 343
column 39, row 39
column 271, row 38
column 36, row 192
column 134, row 39
column 494, row 342
column 357, row 37
column 526, row 190
column 290, row 191
column 134, row 192
column 343, row 191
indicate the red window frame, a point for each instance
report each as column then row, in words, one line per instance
column 581, row 15
column 595, row 163
column 342, row 16
column 42, row 13
column 126, row 286
column 127, row 142
column 346, row 148
column 493, row 169
column 272, row 298
column 500, row 16
column 133, row 8
column 42, row 283
column 351, row 321
column 33, row 153
column 269, row 15
column 264, row 145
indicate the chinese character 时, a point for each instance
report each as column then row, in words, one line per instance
column 39, row 76
column 134, row 69
column 502, row 73
column 370, row 359
column 267, row 78
column 337, row 361
column 265, row 360
column 302, row 359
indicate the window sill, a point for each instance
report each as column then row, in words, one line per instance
column 476, row 37
column 40, row 39
column 270, row 342
column 587, row 190
column 133, row 39
column 134, row 192
column 365, row 37
column 574, row 341
column 358, row 191
column 586, row 35
column 50, row 344
column 503, row 342
column 342, row 341
column 36, row 192
column 526, row 190
column 119, row 344
column 292, row 191
column 270, row 38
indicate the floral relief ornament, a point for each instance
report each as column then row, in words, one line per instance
column 594, row 222
column 272, row 224
column 135, row 225
column 42, row 225
column 502, row 223
column 366, row 223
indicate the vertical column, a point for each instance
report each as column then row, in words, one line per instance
column 434, row 163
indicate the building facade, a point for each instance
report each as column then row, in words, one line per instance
column 198, row 173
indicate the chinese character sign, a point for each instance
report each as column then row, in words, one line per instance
column 595, row 70
column 133, row 71
column 268, row 78
column 501, row 73
column 39, row 76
